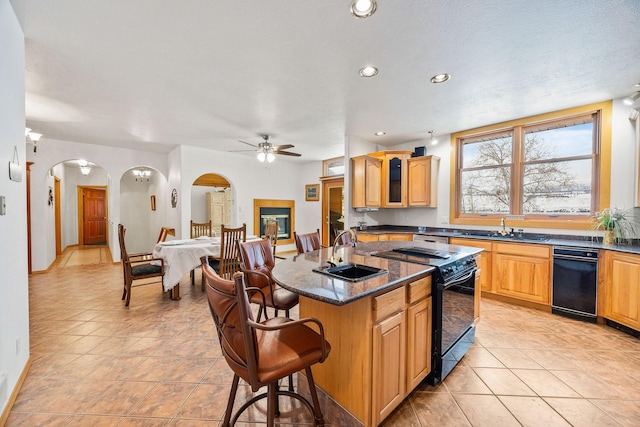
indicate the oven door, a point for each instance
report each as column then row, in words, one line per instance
column 454, row 331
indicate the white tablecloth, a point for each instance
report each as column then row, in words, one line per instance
column 182, row 256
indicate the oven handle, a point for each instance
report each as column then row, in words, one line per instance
column 461, row 280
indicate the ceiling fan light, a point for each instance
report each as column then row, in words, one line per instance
column 270, row 157
column 261, row 156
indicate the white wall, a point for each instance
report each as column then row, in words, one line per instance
column 14, row 287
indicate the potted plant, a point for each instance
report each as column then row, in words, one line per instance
column 617, row 226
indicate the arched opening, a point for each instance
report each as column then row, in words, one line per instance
column 143, row 199
column 77, row 203
column 211, row 201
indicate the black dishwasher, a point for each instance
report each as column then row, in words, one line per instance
column 575, row 279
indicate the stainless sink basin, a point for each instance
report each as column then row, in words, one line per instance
column 530, row 237
column 351, row 272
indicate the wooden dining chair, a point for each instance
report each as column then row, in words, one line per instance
column 307, row 242
column 263, row 353
column 345, row 239
column 199, row 229
column 271, row 232
column 164, row 232
column 229, row 261
column 257, row 261
column 137, row 267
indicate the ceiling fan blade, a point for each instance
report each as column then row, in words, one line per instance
column 248, row 144
column 282, row 147
column 241, row 151
column 288, row 153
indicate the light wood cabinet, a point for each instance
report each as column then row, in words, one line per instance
column 418, row 342
column 394, row 177
column 423, row 181
column 366, row 176
column 622, row 288
column 522, row 271
column 389, row 355
column 384, row 237
column 380, row 348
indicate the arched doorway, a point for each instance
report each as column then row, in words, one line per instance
column 211, row 201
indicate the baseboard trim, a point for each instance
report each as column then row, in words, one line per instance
column 14, row 394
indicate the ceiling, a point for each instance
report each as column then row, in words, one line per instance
column 153, row 74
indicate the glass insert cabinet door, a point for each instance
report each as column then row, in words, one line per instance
column 395, row 180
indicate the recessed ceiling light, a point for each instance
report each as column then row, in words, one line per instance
column 380, row 133
column 363, row 8
column 368, row 71
column 440, row 78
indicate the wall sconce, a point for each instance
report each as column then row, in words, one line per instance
column 142, row 175
column 34, row 137
column 434, row 141
column 631, row 99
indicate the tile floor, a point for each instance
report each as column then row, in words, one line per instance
column 157, row 363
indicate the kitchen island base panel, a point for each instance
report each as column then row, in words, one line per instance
column 348, row 329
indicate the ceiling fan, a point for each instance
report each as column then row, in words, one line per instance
column 267, row 151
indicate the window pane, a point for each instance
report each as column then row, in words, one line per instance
column 489, row 152
column 562, row 141
column 485, row 191
column 557, row 188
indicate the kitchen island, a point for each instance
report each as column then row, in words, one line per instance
column 379, row 328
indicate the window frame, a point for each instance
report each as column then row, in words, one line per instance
column 600, row 179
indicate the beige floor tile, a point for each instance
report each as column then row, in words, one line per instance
column 164, row 400
column 485, row 410
column 481, row 357
column 589, row 385
column 463, row 379
column 533, row 411
column 581, row 412
column 626, row 412
column 513, row 358
column 544, row 383
column 503, row 382
column 437, row 410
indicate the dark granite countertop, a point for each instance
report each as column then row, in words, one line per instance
column 536, row 238
column 296, row 274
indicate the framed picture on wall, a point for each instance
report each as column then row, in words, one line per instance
column 312, row 192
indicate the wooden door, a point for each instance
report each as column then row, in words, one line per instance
column 94, row 222
column 332, row 209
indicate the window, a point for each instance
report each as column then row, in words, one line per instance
column 545, row 169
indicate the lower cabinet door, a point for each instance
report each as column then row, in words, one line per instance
column 389, row 373
column 419, row 342
column 623, row 290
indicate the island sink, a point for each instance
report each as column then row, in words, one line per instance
column 351, row 272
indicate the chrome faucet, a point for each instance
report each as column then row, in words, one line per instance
column 332, row 259
column 502, row 232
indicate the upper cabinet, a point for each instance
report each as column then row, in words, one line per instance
column 366, row 173
column 393, row 179
column 423, row 181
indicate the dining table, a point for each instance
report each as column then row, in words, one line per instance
column 180, row 256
